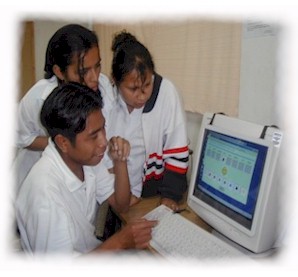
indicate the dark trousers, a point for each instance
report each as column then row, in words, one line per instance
column 112, row 224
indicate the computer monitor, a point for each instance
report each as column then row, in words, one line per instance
column 232, row 186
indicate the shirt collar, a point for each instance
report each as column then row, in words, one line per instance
column 121, row 101
column 72, row 182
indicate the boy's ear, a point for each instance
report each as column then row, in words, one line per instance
column 57, row 71
column 62, row 143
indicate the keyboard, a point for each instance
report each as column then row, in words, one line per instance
column 175, row 237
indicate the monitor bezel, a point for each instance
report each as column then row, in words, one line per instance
column 262, row 190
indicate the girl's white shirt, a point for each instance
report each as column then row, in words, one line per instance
column 29, row 126
column 129, row 126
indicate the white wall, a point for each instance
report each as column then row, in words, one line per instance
column 258, row 76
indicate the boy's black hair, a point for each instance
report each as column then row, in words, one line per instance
column 68, row 41
column 66, row 109
column 129, row 54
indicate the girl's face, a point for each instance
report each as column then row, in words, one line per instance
column 134, row 92
column 85, row 71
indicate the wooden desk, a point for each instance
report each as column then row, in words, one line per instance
column 148, row 204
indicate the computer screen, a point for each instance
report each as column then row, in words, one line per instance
column 232, row 184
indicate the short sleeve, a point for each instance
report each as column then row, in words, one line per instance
column 52, row 223
column 104, row 182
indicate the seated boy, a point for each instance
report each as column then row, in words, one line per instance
column 56, row 205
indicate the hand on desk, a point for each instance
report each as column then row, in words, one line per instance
column 137, row 234
column 170, row 203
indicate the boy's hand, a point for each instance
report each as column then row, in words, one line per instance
column 119, row 149
column 137, row 234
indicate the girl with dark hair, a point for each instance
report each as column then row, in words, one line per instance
column 149, row 114
column 72, row 55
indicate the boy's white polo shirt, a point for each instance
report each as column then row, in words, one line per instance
column 55, row 210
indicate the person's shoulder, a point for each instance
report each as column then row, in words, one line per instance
column 104, row 80
column 107, row 92
column 43, row 83
column 103, row 76
column 169, row 95
column 51, row 178
column 167, row 83
column 105, row 85
column 39, row 88
column 39, row 174
column 168, row 90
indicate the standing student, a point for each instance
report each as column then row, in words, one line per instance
column 56, row 204
column 149, row 114
column 72, row 55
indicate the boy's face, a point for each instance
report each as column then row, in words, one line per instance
column 90, row 145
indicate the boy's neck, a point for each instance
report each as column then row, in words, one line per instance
column 77, row 169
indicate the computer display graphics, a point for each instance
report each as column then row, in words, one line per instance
column 230, row 172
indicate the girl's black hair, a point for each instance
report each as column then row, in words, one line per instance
column 66, row 109
column 68, row 41
column 129, row 54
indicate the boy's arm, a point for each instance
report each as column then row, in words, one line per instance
column 47, row 230
column 136, row 234
column 119, row 150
